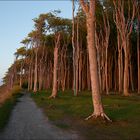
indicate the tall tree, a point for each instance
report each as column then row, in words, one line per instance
column 55, row 67
column 74, row 49
column 125, row 25
column 21, row 52
column 138, row 43
column 89, row 9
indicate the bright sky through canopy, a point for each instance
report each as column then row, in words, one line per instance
column 16, row 22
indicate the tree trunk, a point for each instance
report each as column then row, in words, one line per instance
column 131, row 76
column 138, row 51
column 29, row 77
column 96, row 97
column 55, row 67
column 31, row 83
column 80, row 70
column 98, row 108
column 77, row 58
column 120, row 65
column 55, row 84
column 21, row 69
column 126, row 72
column 106, row 69
column 88, row 75
column 73, row 45
column 35, row 71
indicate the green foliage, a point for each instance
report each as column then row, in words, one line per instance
column 68, row 111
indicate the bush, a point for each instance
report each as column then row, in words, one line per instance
column 16, row 89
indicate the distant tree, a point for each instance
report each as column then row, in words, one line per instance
column 21, row 52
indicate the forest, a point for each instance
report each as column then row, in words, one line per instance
column 87, row 64
column 97, row 51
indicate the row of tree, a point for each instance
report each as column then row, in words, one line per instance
column 97, row 50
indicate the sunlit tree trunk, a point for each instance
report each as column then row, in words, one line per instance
column 55, row 67
column 73, row 45
column 88, row 74
column 35, row 70
column 80, row 70
column 31, row 83
column 106, row 43
column 21, row 73
column 126, row 72
column 98, row 47
column 55, row 84
column 29, row 77
column 90, row 20
column 77, row 58
column 120, row 64
column 125, row 27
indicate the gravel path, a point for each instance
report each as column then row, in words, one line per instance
column 27, row 122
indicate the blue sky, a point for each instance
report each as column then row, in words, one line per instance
column 16, row 22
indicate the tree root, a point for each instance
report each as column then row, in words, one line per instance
column 103, row 115
column 52, row 96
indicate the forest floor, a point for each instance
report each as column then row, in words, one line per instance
column 28, row 122
column 69, row 112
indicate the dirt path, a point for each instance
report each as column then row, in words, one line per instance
column 27, row 122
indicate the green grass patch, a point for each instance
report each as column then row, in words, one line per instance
column 68, row 111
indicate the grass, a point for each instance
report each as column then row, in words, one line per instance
column 7, row 106
column 68, row 111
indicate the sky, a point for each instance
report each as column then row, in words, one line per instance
column 16, row 22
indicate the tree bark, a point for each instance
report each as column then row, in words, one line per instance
column 90, row 20
column 138, row 50
column 126, row 73
column 35, row 71
column 120, row 64
column 21, row 70
column 55, row 67
column 55, row 84
column 73, row 45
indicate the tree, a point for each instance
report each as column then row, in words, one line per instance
column 73, row 46
column 21, row 52
column 55, row 67
column 138, row 44
column 89, row 10
column 124, row 25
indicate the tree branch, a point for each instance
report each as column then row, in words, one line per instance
column 84, row 6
